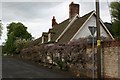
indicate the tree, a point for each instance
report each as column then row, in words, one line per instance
column 115, row 12
column 1, row 28
column 20, row 44
column 16, row 32
column 9, row 46
column 19, row 30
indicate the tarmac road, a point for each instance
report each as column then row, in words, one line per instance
column 15, row 68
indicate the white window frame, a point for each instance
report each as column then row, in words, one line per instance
column 42, row 39
column 49, row 37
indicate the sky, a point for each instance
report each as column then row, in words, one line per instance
column 36, row 15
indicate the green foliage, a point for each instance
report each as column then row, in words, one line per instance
column 20, row 44
column 115, row 12
column 60, row 63
column 17, row 37
column 116, row 29
column 1, row 28
column 9, row 46
column 19, row 30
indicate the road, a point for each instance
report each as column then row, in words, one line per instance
column 0, row 66
column 16, row 68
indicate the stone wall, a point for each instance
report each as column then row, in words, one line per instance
column 79, row 66
column 110, row 55
column 110, row 61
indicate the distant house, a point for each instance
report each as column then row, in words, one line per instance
column 73, row 28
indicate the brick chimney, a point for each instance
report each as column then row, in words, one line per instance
column 73, row 10
column 54, row 21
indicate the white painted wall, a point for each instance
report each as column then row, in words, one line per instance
column 85, row 32
column 49, row 37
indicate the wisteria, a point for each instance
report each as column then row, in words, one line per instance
column 64, row 56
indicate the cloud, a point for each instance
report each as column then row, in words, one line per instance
column 30, row 11
column 55, row 0
column 104, row 9
column 0, row 10
column 26, row 10
column 33, row 0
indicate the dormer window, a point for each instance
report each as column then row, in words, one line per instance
column 49, row 37
column 42, row 39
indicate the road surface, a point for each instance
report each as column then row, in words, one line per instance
column 16, row 68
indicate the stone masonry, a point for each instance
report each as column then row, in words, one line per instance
column 110, row 55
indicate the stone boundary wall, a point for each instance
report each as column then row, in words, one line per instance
column 110, row 55
column 48, row 55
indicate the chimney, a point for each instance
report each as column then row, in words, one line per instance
column 73, row 10
column 54, row 21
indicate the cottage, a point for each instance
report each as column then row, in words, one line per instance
column 74, row 27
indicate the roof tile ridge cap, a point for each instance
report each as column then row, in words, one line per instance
column 63, row 21
column 71, row 22
column 92, row 12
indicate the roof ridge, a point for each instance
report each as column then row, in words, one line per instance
column 89, row 13
column 71, row 22
column 64, row 20
column 74, row 27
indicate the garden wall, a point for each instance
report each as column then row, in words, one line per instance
column 110, row 59
column 77, row 57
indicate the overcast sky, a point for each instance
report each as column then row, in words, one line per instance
column 37, row 14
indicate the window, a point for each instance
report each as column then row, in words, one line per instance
column 42, row 39
column 49, row 37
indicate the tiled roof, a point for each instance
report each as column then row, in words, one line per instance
column 74, row 28
column 35, row 42
column 45, row 34
column 58, row 29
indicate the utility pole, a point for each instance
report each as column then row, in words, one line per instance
column 98, row 41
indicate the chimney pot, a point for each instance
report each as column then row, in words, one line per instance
column 54, row 21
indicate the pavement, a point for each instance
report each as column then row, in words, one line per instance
column 16, row 68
